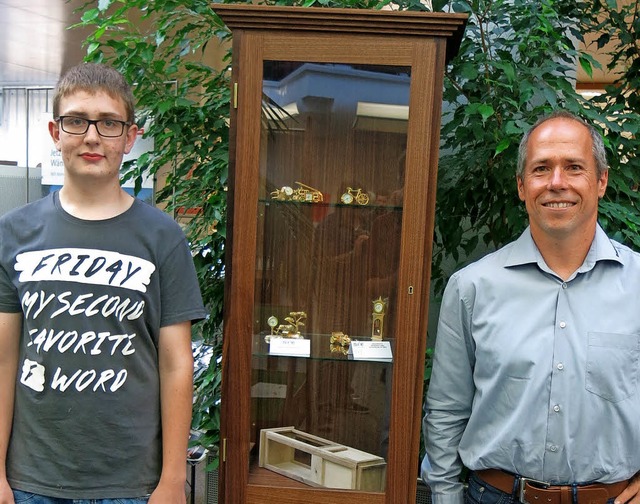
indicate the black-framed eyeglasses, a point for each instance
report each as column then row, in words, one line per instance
column 109, row 128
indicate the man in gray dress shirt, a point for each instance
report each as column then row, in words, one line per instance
column 535, row 386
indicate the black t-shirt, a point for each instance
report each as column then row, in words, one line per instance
column 94, row 295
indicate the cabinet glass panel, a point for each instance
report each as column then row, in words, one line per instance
column 332, row 161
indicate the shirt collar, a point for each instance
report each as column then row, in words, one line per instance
column 524, row 251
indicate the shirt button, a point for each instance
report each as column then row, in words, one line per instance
column 564, row 285
column 560, row 366
column 553, row 448
column 556, row 408
column 563, row 324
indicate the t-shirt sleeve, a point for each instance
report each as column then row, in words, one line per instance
column 9, row 300
column 180, row 292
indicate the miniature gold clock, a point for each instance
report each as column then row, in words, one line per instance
column 377, row 319
column 347, row 198
column 272, row 322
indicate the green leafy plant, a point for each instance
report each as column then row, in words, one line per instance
column 517, row 63
column 617, row 29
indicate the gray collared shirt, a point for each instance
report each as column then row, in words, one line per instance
column 535, row 375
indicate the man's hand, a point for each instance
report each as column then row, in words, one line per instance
column 631, row 494
column 165, row 493
column 6, row 495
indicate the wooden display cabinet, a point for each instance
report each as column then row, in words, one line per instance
column 333, row 157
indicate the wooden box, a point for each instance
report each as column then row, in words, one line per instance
column 319, row 462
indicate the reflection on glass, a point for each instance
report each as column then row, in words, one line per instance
column 329, row 221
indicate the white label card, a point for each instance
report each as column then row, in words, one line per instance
column 371, row 350
column 290, row 346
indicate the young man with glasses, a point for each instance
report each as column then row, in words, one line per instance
column 97, row 296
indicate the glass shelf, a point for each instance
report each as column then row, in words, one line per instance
column 328, row 205
column 321, row 348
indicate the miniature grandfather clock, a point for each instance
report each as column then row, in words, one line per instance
column 377, row 319
column 335, row 120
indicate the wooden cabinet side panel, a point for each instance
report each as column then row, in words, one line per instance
column 238, row 327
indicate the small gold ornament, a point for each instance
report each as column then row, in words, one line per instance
column 303, row 194
column 377, row 318
column 339, row 342
column 306, row 194
column 339, row 348
column 347, row 198
column 291, row 329
column 340, row 338
column 272, row 322
column 357, row 195
column 283, row 194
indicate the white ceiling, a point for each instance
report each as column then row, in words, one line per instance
column 36, row 46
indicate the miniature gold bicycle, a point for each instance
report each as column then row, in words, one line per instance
column 357, row 195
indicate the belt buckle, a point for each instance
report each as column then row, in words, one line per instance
column 522, row 484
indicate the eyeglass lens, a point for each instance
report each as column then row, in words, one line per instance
column 79, row 126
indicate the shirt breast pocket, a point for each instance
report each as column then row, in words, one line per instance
column 612, row 365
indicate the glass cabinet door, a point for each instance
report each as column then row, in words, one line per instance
column 331, row 185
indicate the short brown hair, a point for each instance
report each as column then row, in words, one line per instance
column 91, row 78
